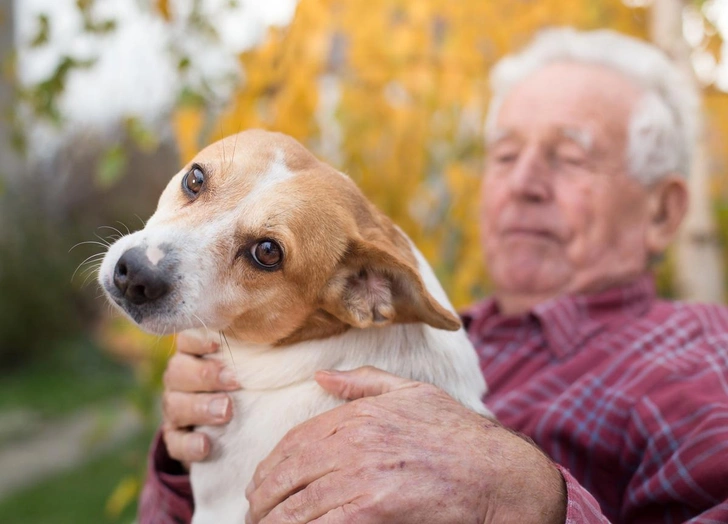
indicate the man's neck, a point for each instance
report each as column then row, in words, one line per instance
column 514, row 303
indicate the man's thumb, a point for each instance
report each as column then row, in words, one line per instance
column 366, row 381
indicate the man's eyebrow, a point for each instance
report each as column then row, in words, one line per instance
column 497, row 135
column 584, row 138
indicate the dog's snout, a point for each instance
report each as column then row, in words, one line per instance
column 137, row 279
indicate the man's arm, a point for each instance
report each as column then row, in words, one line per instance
column 167, row 495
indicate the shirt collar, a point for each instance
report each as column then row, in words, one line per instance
column 568, row 320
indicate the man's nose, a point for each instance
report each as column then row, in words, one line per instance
column 529, row 179
column 137, row 279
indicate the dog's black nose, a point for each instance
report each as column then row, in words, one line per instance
column 137, row 279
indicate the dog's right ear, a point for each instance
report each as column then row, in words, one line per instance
column 377, row 284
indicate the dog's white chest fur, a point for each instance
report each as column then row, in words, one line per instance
column 279, row 393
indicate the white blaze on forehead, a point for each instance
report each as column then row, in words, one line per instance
column 276, row 174
column 154, row 254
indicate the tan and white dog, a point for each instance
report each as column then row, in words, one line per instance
column 259, row 240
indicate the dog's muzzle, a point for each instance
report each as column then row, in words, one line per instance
column 138, row 280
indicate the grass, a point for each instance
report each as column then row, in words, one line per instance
column 73, row 375
column 80, row 496
column 69, row 377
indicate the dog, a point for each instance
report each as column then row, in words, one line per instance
column 258, row 240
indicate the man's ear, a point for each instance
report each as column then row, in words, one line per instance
column 375, row 285
column 668, row 203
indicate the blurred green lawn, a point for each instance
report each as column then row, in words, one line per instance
column 79, row 496
column 71, row 377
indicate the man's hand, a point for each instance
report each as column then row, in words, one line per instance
column 193, row 396
column 403, row 452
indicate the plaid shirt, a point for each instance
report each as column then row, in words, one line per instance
column 627, row 393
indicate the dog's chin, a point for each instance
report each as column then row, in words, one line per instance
column 156, row 319
column 156, row 324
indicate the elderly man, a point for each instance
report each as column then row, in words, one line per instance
column 589, row 138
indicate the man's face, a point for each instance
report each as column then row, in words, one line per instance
column 560, row 213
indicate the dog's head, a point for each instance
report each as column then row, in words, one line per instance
column 257, row 238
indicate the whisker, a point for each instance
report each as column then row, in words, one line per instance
column 235, row 143
column 144, row 224
column 233, row 332
column 113, row 312
column 128, row 232
column 106, row 242
column 173, row 344
column 230, row 351
column 105, row 246
column 91, row 274
column 112, row 228
column 223, row 142
column 91, row 269
column 207, row 331
column 88, row 259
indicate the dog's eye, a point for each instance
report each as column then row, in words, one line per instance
column 193, row 181
column 267, row 254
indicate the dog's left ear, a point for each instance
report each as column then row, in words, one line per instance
column 376, row 285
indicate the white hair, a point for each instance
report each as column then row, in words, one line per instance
column 662, row 130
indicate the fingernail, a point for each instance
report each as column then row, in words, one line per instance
column 218, row 407
column 228, row 378
column 249, row 489
column 329, row 372
column 196, row 445
column 248, row 518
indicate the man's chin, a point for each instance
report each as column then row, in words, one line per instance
column 536, row 279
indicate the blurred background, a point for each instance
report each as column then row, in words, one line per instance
column 103, row 100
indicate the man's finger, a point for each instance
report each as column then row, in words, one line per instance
column 313, row 501
column 186, row 446
column 192, row 374
column 362, row 382
column 195, row 409
column 290, row 476
column 193, row 346
column 306, row 434
column 342, row 515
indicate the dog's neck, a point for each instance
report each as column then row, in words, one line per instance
column 266, row 367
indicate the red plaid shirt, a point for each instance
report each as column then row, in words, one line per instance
column 627, row 393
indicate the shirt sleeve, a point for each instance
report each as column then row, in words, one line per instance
column 581, row 506
column 166, row 497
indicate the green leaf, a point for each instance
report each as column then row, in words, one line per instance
column 111, row 167
column 44, row 30
column 146, row 139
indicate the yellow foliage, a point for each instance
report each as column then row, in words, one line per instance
column 188, row 122
column 125, row 493
column 405, row 112
column 163, row 9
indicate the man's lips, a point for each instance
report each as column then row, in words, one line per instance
column 530, row 232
